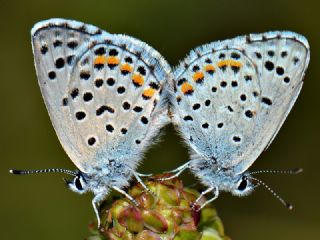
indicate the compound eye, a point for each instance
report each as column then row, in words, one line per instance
column 243, row 184
column 78, row 184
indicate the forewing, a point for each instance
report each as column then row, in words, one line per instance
column 231, row 97
column 102, row 91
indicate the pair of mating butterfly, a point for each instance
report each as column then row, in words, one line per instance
column 108, row 96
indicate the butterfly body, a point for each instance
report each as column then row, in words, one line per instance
column 229, row 100
column 104, row 95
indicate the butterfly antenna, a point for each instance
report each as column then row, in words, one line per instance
column 287, row 205
column 50, row 170
column 291, row 171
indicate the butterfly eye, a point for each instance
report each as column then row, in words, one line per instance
column 243, row 184
column 78, row 184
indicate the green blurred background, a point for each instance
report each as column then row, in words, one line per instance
column 40, row 207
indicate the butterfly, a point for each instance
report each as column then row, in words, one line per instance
column 104, row 95
column 229, row 99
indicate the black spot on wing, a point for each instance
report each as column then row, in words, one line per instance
column 52, row 75
column 269, row 65
column 109, row 128
column 85, row 75
column 113, row 52
column 110, row 81
column 44, row 49
column 100, row 51
column 91, row 141
column 266, row 101
column 59, row 63
column 72, row 44
column 57, row 43
column 80, row 115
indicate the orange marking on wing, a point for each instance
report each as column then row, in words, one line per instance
column 137, row 79
column 198, row 76
column 126, row 67
column 210, row 68
column 113, row 60
column 229, row 62
column 234, row 63
column 186, row 88
column 100, row 60
column 223, row 63
column 148, row 93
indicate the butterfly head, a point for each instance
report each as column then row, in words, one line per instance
column 247, row 183
column 243, row 185
column 78, row 184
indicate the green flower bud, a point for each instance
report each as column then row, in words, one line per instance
column 166, row 214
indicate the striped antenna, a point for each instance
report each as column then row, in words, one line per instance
column 287, row 205
column 50, row 170
column 291, row 171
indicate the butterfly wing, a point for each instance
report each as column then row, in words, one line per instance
column 232, row 97
column 102, row 91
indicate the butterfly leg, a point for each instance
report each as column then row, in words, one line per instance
column 95, row 203
column 144, row 175
column 176, row 171
column 125, row 194
column 203, row 194
column 137, row 176
column 216, row 194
